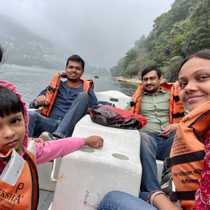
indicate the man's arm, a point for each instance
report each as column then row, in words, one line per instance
column 39, row 100
column 161, row 202
column 93, row 100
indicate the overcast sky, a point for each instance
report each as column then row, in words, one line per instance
column 101, row 31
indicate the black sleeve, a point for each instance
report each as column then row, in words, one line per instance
column 31, row 104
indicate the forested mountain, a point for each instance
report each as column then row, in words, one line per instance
column 24, row 47
column 184, row 29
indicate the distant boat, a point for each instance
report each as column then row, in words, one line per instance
column 96, row 76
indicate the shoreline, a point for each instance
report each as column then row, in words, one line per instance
column 134, row 81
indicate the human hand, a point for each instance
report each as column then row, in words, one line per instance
column 41, row 101
column 168, row 129
column 94, row 141
column 161, row 202
column 89, row 110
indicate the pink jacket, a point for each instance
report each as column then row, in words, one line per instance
column 49, row 150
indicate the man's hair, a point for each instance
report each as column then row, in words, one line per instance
column 1, row 54
column 10, row 103
column 76, row 58
column 151, row 68
column 204, row 54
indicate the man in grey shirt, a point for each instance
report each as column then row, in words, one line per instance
column 154, row 101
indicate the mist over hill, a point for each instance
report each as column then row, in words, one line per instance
column 23, row 47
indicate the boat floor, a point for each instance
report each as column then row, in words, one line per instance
column 45, row 198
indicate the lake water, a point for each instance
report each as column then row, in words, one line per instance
column 31, row 80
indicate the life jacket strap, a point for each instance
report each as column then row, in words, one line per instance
column 201, row 118
column 183, row 195
column 176, row 98
column 185, row 158
column 50, row 88
column 35, row 182
column 178, row 114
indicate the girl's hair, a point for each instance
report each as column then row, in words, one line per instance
column 10, row 103
column 204, row 54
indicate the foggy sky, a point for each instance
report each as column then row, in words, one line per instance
column 101, row 31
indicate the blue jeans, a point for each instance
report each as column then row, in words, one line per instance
column 153, row 147
column 60, row 127
column 122, row 201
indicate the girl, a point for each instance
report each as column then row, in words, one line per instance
column 13, row 151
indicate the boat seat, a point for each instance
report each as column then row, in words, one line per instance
column 85, row 176
column 114, row 97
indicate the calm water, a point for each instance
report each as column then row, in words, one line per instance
column 30, row 81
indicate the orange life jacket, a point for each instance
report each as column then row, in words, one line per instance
column 187, row 154
column 24, row 194
column 52, row 92
column 176, row 109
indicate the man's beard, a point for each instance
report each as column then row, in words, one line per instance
column 151, row 91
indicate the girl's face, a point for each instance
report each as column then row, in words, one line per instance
column 194, row 80
column 12, row 131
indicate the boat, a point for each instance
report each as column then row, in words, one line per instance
column 79, row 180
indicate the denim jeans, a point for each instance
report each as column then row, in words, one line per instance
column 60, row 127
column 153, row 147
column 122, row 201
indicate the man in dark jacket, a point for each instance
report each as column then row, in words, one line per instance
column 64, row 102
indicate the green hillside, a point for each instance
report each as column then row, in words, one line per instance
column 184, row 29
